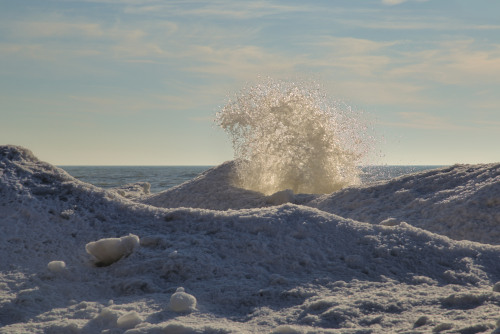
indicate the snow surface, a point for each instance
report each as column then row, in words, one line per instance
column 379, row 258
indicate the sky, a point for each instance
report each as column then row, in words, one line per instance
column 138, row 82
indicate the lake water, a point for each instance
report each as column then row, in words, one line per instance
column 164, row 177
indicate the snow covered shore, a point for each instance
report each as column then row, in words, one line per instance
column 416, row 254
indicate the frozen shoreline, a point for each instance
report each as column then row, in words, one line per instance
column 315, row 264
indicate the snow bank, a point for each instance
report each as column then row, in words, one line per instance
column 461, row 201
column 286, row 268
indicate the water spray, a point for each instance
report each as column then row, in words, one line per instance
column 288, row 135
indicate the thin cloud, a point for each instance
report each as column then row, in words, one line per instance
column 393, row 2
column 215, row 9
column 424, row 121
column 361, row 57
column 30, row 50
column 57, row 29
column 413, row 22
column 53, row 40
column 241, row 62
column 351, row 45
column 463, row 62
column 382, row 92
column 490, row 124
column 398, row 2
column 118, row 105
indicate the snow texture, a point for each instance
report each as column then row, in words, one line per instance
column 416, row 254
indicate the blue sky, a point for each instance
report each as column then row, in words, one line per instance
column 138, row 82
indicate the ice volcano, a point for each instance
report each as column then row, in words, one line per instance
column 290, row 268
column 289, row 135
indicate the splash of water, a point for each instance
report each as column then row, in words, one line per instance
column 288, row 135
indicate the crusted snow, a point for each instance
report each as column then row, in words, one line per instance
column 414, row 254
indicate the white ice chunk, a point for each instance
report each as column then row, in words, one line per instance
column 56, row 266
column 181, row 301
column 110, row 250
column 129, row 320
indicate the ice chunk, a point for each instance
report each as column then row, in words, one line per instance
column 56, row 266
column 129, row 320
column 181, row 301
column 109, row 250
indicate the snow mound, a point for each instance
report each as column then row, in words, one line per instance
column 281, row 197
column 213, row 189
column 109, row 250
column 461, row 202
column 181, row 301
column 42, row 205
column 129, row 320
column 20, row 169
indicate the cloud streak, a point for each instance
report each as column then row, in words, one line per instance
column 425, row 121
column 216, row 9
column 398, row 2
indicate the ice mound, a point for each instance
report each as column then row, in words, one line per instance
column 109, row 250
column 461, row 202
column 214, row 189
column 286, row 268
